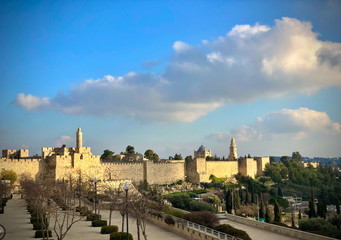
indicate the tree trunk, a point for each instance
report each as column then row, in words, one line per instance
column 122, row 223
column 138, row 228
column 110, row 213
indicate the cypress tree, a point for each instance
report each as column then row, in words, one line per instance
column 299, row 214
column 241, row 195
column 293, row 220
column 312, row 209
column 228, row 200
column 253, row 199
column 337, row 208
column 277, row 212
column 279, row 191
column 236, row 201
column 247, row 198
column 267, row 214
column 261, row 208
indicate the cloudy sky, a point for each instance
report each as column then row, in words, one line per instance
column 172, row 75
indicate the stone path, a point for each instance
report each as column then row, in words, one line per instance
column 16, row 220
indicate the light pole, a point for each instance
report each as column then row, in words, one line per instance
column 126, row 188
column 257, row 207
column 95, row 182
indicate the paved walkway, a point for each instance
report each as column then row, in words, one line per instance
column 16, row 220
column 256, row 233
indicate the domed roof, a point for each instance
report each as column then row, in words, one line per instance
column 202, row 149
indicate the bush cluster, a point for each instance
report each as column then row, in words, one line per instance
column 207, row 219
column 169, row 220
column 120, row 236
column 109, row 229
column 93, row 217
column 175, row 212
column 39, row 233
column 184, row 201
column 99, row 223
column 225, row 228
column 319, row 226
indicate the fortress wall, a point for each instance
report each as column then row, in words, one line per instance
column 19, row 166
column 119, row 171
column 261, row 162
column 247, row 167
column 191, row 171
column 251, row 167
column 222, row 168
column 160, row 173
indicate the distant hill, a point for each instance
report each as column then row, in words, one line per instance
column 335, row 160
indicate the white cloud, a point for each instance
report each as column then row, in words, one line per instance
column 244, row 31
column 179, row 46
column 67, row 140
column 31, row 102
column 248, row 63
column 295, row 124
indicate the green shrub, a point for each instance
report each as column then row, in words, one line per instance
column 99, row 223
column 93, row 217
column 33, row 219
column 225, row 228
column 82, row 209
column 207, row 219
column 39, row 233
column 169, row 220
column 109, row 229
column 120, row 236
column 200, row 206
column 319, row 226
column 86, row 213
column 175, row 212
column 156, row 214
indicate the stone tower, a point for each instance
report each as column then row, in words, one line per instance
column 79, row 139
column 233, row 150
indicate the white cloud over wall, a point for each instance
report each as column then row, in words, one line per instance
column 294, row 124
column 249, row 62
column 67, row 140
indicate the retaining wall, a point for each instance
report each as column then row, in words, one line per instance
column 277, row 229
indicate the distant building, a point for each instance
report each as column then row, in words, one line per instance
column 313, row 164
column 202, row 152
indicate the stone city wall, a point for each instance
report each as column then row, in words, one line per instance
column 30, row 166
column 160, row 173
column 117, row 171
column 247, row 167
column 222, row 169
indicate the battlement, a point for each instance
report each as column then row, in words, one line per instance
column 122, row 164
column 14, row 153
column 28, row 159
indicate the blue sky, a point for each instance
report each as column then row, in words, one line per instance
column 172, row 75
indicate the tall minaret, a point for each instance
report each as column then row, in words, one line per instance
column 79, row 139
column 233, row 150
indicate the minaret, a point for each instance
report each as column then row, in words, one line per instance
column 79, row 139
column 233, row 150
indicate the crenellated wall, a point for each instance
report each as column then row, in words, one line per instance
column 30, row 166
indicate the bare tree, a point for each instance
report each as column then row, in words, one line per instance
column 64, row 214
column 115, row 199
column 38, row 194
